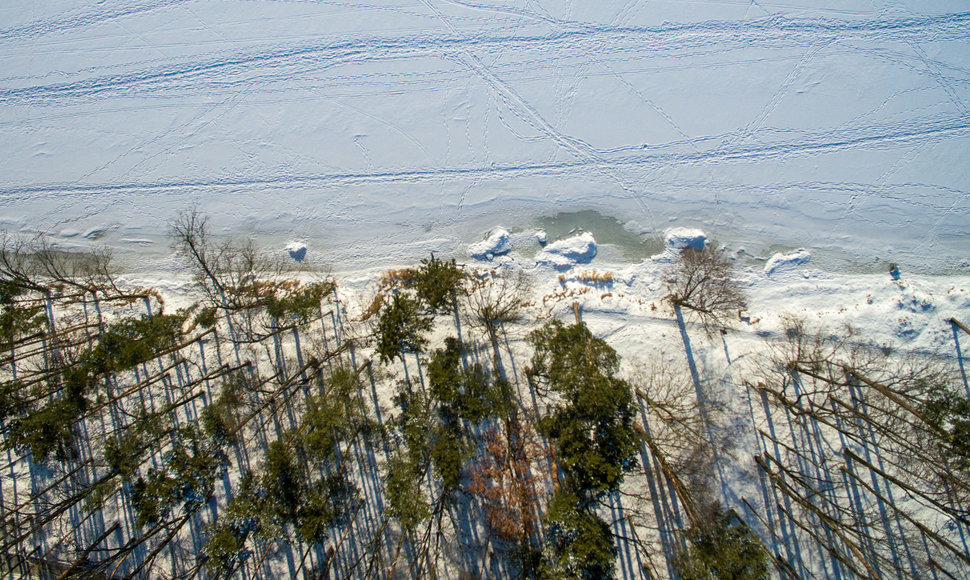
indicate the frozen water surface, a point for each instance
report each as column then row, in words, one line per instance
column 379, row 131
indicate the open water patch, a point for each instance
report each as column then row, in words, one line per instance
column 606, row 230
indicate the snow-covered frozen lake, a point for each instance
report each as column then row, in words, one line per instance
column 378, row 131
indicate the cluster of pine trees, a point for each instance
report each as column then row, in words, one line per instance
column 262, row 432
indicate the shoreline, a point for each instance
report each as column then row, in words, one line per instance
column 622, row 242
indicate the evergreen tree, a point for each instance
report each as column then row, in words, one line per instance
column 591, row 425
column 579, row 544
column 186, row 477
column 722, row 548
column 403, row 485
column 401, row 328
column 437, row 283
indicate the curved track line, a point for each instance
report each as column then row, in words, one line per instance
column 889, row 136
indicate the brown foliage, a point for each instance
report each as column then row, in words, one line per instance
column 509, row 475
column 396, row 279
column 375, row 306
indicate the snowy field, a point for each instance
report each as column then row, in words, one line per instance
column 376, row 132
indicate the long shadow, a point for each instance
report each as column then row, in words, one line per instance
column 508, row 349
column 377, row 410
column 465, row 549
column 691, row 363
column 956, row 341
column 480, row 550
column 790, row 534
column 497, row 356
column 417, row 363
column 620, row 537
column 769, row 527
column 370, row 520
column 727, row 353
column 656, row 489
column 703, row 403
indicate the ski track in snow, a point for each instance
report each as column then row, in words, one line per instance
column 227, row 70
column 878, row 137
column 463, row 50
column 80, row 18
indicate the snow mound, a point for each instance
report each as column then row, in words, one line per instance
column 680, row 238
column 296, row 250
column 497, row 243
column 564, row 253
column 94, row 233
column 912, row 300
column 786, row 261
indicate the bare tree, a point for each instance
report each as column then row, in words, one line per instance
column 496, row 300
column 17, row 269
column 38, row 265
column 252, row 289
column 681, row 436
column 897, row 419
column 703, row 282
column 675, row 420
column 85, row 271
column 226, row 271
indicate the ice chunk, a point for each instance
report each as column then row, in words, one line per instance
column 296, row 250
column 680, row 238
column 786, row 261
column 496, row 244
column 564, row 253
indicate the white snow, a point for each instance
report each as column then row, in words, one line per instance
column 578, row 249
column 497, row 243
column 680, row 238
column 379, row 131
column 786, row 261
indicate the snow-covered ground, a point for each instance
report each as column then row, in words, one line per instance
column 816, row 141
column 376, row 131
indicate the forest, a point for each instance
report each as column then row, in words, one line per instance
column 450, row 429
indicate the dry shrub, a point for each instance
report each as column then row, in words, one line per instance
column 373, row 308
column 396, row 279
column 594, row 277
column 591, row 277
